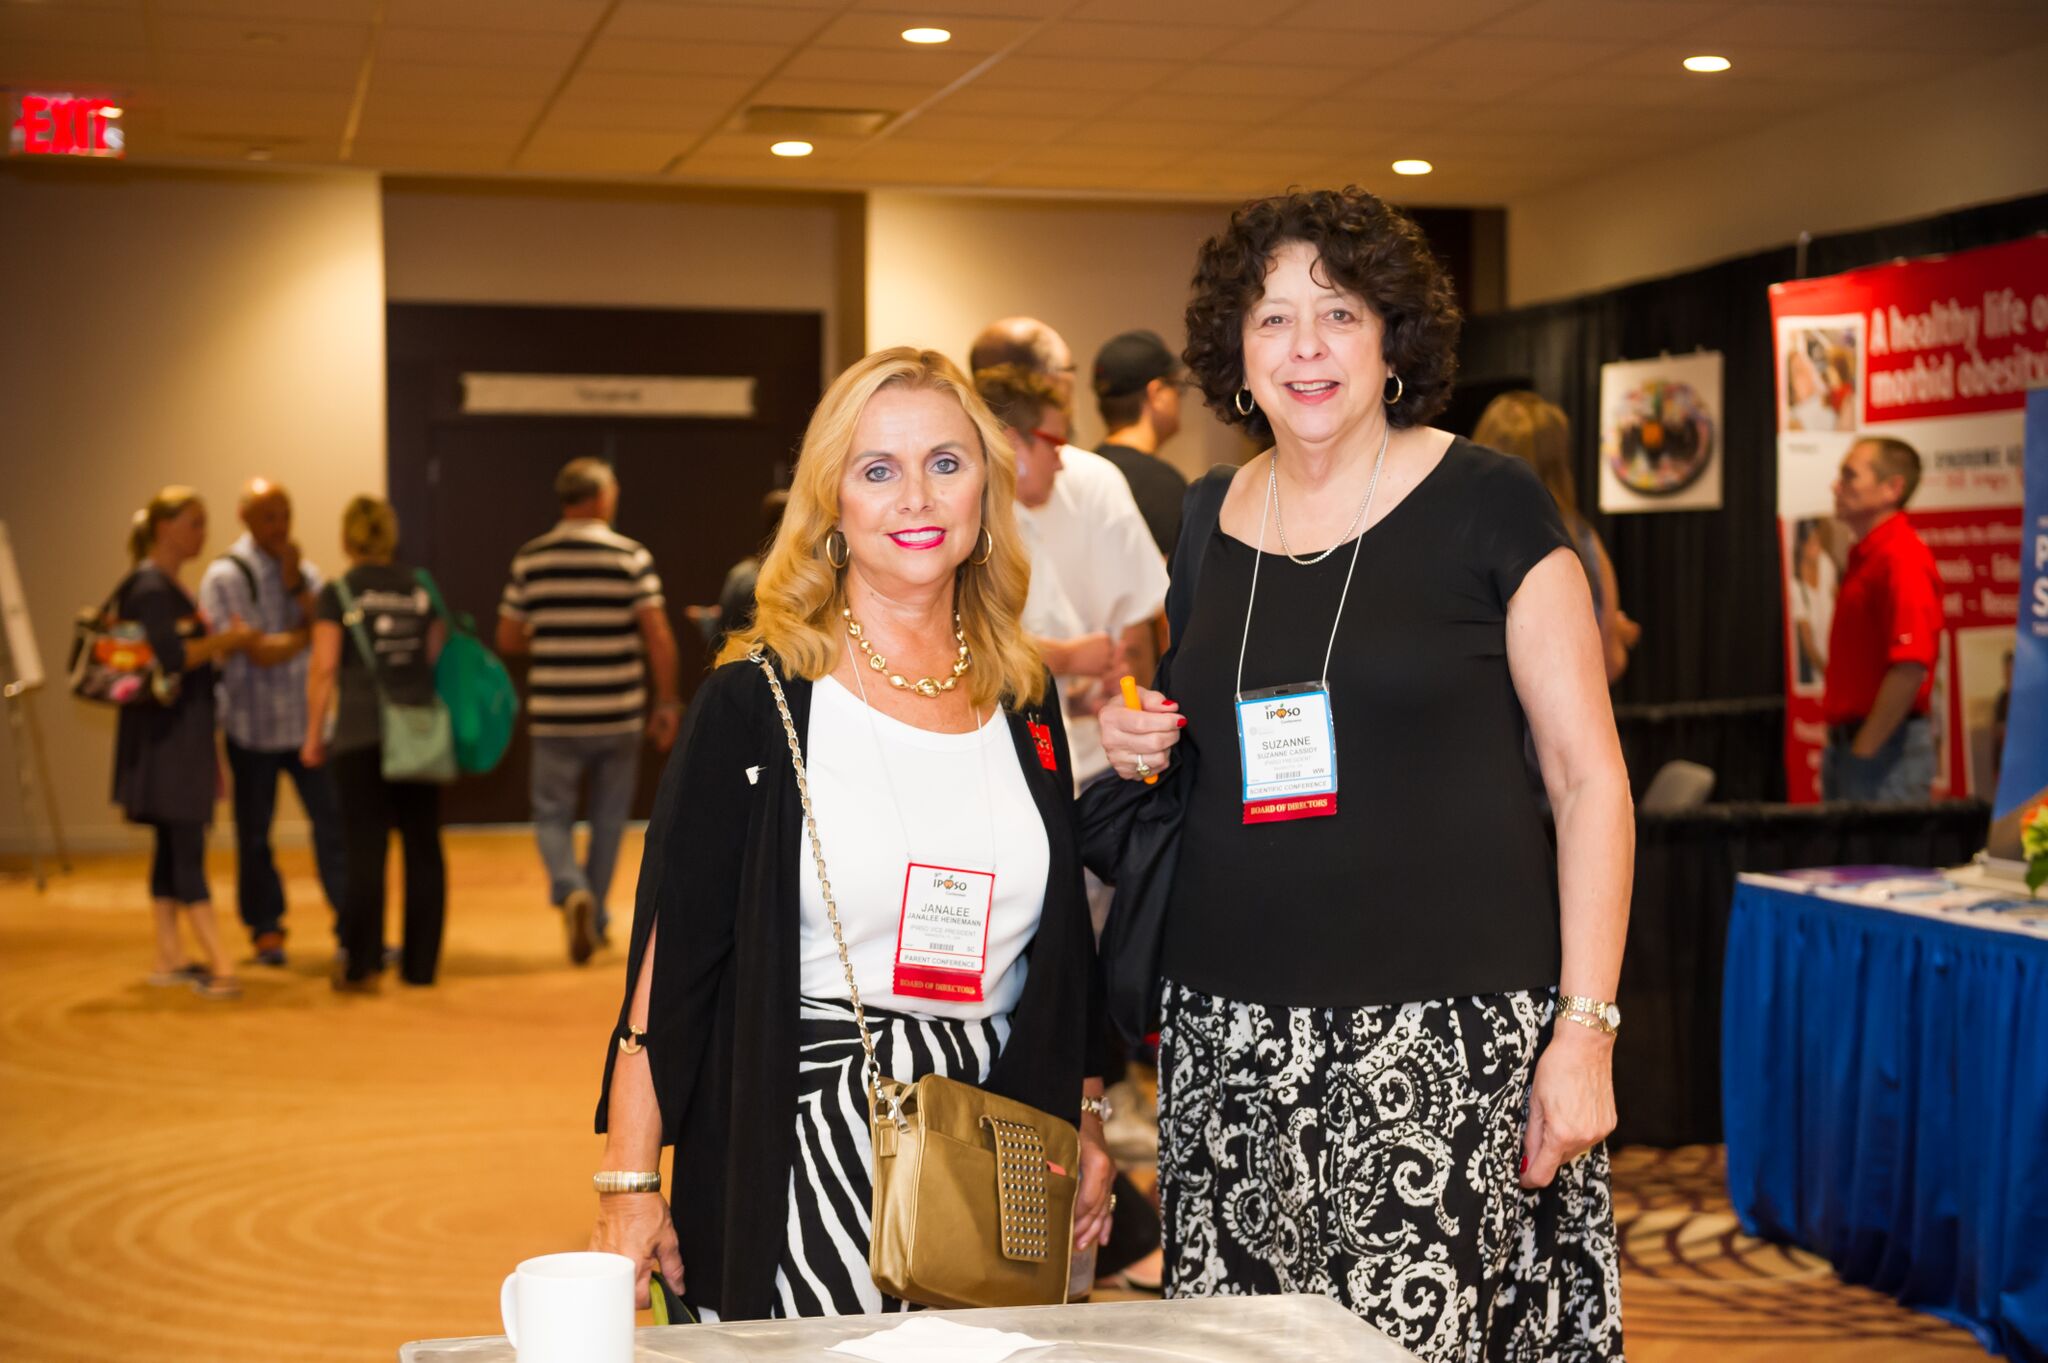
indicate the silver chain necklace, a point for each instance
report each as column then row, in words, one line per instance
column 1273, row 491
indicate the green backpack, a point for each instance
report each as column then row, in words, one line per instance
column 476, row 688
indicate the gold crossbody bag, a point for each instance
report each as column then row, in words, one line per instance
column 966, row 1211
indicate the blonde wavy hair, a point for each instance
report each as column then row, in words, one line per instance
column 369, row 529
column 799, row 594
column 168, row 504
column 1537, row 432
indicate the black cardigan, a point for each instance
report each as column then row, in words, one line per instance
column 719, row 875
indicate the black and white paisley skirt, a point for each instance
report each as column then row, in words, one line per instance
column 823, row 1270
column 1372, row 1154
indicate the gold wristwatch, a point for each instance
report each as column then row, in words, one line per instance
column 1598, row 1014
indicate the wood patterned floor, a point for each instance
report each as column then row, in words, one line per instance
column 298, row 1175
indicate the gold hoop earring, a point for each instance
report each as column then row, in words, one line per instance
column 1243, row 402
column 844, row 554
column 1399, row 388
column 984, row 548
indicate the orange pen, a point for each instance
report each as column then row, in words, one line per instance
column 1131, row 702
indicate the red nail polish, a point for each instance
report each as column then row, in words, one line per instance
column 1180, row 722
column 1170, row 704
column 1525, row 1165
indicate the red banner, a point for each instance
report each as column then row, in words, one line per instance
column 1939, row 353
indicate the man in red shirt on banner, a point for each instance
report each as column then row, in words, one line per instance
column 1885, row 638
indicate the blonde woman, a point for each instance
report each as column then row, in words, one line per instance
column 164, row 773
column 888, row 605
column 1539, row 434
column 397, row 616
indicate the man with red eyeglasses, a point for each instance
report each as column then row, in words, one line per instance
column 1885, row 638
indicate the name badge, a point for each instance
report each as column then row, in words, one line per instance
column 1287, row 751
column 942, row 937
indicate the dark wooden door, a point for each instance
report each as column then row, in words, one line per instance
column 470, row 489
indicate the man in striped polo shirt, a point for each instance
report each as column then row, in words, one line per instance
column 586, row 603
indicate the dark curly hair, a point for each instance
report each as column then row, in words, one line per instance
column 1366, row 246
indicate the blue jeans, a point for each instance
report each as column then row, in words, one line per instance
column 1899, row 773
column 612, row 763
column 258, row 890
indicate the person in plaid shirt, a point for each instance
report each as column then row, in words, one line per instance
column 262, row 705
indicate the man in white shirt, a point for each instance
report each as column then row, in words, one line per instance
column 1091, row 535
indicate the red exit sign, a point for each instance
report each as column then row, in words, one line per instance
column 66, row 125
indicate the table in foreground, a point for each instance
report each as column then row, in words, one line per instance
column 1287, row 1329
column 1885, row 1091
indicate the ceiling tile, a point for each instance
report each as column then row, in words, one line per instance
column 1448, row 85
column 1169, row 106
column 680, row 57
column 1618, row 20
column 979, row 99
column 1271, row 82
column 429, row 78
column 1355, row 49
column 1232, row 12
column 250, row 127
column 526, row 16
column 1130, row 132
column 253, row 69
column 942, row 124
column 1029, row 9
column 260, row 41
column 634, row 86
column 893, row 152
column 471, row 47
column 1110, row 41
column 841, row 94
column 1356, row 111
column 589, row 116
column 1432, row 16
column 47, row 66
column 718, row 23
column 1783, row 25
column 452, row 158
column 883, row 32
column 931, row 69
column 319, row 11
column 1073, row 73
column 1514, row 62
column 517, row 110
column 61, row 26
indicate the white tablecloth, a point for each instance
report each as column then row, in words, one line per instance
column 1290, row 1329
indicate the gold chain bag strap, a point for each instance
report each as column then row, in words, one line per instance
column 966, row 1210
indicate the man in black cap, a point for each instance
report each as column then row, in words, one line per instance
column 1137, row 390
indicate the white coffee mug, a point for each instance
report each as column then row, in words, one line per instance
column 570, row 1308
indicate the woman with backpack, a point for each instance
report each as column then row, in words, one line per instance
column 164, row 772
column 376, row 636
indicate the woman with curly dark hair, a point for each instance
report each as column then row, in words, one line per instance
column 1385, row 1052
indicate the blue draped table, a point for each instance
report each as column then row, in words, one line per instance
column 1885, row 1098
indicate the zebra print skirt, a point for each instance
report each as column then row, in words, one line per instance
column 824, row 1266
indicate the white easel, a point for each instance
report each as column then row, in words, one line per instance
column 21, row 675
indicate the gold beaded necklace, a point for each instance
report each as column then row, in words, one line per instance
column 927, row 687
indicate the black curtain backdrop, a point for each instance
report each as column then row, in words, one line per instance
column 1704, row 585
column 1667, row 1061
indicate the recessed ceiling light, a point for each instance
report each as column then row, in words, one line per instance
column 1413, row 168
column 792, row 148
column 1706, row 65
column 927, row 35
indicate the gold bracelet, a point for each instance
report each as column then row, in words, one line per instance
column 626, row 1181
column 630, row 1043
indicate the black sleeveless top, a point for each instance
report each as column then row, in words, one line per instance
column 1435, row 877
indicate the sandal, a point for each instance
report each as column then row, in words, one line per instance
column 217, row 987
column 190, row 973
